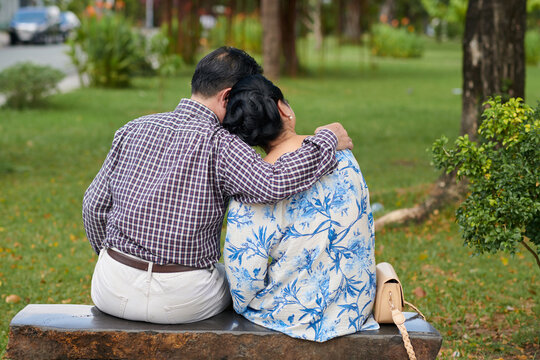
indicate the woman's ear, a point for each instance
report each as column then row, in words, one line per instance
column 284, row 109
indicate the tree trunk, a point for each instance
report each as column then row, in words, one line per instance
column 188, row 36
column 444, row 190
column 339, row 19
column 352, row 21
column 230, row 18
column 493, row 56
column 167, row 17
column 493, row 64
column 288, row 36
column 388, row 10
column 271, row 38
column 317, row 23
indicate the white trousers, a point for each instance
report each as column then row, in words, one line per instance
column 164, row 298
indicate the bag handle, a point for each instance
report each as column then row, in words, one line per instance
column 399, row 320
column 416, row 309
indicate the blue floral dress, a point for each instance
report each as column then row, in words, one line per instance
column 306, row 266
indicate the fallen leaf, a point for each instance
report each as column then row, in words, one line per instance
column 419, row 292
column 13, row 299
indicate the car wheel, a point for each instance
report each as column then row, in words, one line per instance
column 13, row 39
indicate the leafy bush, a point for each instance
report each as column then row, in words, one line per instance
column 163, row 61
column 108, row 50
column 503, row 167
column 246, row 33
column 532, row 47
column 27, row 85
column 395, row 42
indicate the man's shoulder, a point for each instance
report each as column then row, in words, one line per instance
column 164, row 118
column 172, row 120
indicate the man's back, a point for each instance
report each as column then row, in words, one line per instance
column 161, row 171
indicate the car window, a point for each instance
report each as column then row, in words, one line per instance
column 29, row 17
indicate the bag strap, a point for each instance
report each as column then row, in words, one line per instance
column 399, row 320
column 416, row 309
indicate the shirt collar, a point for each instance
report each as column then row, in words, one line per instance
column 196, row 108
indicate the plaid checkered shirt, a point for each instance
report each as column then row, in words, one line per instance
column 164, row 187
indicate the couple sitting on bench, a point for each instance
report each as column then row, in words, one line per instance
column 299, row 250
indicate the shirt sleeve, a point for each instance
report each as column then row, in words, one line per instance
column 97, row 201
column 250, row 179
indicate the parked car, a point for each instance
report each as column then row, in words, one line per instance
column 69, row 22
column 35, row 25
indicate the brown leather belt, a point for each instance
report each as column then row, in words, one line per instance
column 143, row 265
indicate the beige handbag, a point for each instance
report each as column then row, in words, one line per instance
column 389, row 303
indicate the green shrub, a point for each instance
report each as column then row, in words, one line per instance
column 503, row 168
column 532, row 47
column 108, row 51
column 246, row 33
column 27, row 85
column 395, row 42
column 164, row 62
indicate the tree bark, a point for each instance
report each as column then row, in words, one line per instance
column 288, row 36
column 189, row 29
column 271, row 38
column 230, row 18
column 493, row 56
column 387, row 10
column 167, row 16
column 352, row 14
column 317, row 24
column 445, row 190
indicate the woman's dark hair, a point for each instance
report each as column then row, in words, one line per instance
column 252, row 111
column 221, row 69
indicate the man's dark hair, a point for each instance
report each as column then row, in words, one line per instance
column 221, row 69
column 252, row 111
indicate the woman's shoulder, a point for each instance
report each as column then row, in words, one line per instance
column 347, row 163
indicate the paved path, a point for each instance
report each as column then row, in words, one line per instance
column 48, row 55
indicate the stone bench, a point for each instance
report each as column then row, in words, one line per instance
column 84, row 332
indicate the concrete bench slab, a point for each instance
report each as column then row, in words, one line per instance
column 52, row 331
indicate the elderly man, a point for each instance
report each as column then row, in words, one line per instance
column 154, row 211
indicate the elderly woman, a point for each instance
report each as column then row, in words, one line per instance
column 304, row 266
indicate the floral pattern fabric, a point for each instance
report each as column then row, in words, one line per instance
column 306, row 266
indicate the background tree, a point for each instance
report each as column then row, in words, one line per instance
column 270, row 19
column 288, row 36
column 352, row 15
column 183, row 28
column 493, row 64
column 493, row 56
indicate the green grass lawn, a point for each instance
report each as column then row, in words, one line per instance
column 484, row 306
